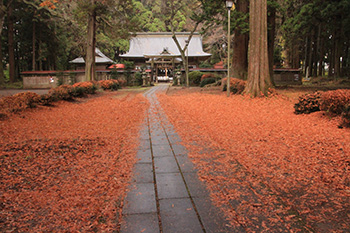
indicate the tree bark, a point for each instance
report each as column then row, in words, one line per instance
column 306, row 64
column 240, row 46
column 33, row 46
column 317, row 51
column 271, row 39
column 3, row 10
column 258, row 81
column 345, row 62
column 11, row 44
column 182, row 51
column 309, row 60
column 337, row 58
column 2, row 76
column 321, row 58
column 296, row 55
column 90, row 68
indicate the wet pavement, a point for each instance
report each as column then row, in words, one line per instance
column 166, row 194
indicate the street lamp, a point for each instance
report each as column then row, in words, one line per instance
column 186, row 71
column 229, row 5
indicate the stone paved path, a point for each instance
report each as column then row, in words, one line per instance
column 166, row 194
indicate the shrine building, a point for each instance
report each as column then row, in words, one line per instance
column 158, row 52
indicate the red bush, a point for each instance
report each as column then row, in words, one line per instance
column 63, row 92
column 19, row 102
column 335, row 101
column 237, row 86
column 84, row 88
column 308, row 103
column 109, row 84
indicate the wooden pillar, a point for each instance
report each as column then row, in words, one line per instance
column 152, row 70
column 157, row 73
column 173, row 67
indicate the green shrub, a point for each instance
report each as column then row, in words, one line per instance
column 138, row 78
column 205, row 76
column 207, row 81
column 308, row 103
column 195, row 77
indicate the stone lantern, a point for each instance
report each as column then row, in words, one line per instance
column 144, row 77
column 178, row 77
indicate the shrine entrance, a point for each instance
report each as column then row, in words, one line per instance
column 163, row 65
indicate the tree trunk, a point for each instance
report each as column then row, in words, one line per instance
column 337, row 57
column 258, row 81
column 310, row 55
column 306, row 53
column 295, row 56
column 271, row 40
column 182, row 51
column 11, row 44
column 317, row 51
column 345, row 62
column 2, row 18
column 90, row 68
column 240, row 46
column 33, row 46
column 2, row 76
column 321, row 57
column 40, row 51
column 2, row 15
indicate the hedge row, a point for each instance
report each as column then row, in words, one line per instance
column 336, row 102
column 25, row 100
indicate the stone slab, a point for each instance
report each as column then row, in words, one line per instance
column 179, row 149
column 165, row 164
column 159, row 140
column 144, row 156
column 162, row 150
column 158, row 133
column 174, row 138
column 140, row 199
column 178, row 216
column 185, row 163
column 143, row 173
column 196, row 187
column 212, row 217
column 144, row 134
column 170, row 185
column 136, row 223
column 145, row 144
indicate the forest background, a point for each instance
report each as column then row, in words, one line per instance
column 46, row 35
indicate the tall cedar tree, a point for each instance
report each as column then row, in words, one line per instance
column 259, row 80
column 240, row 43
column 90, row 68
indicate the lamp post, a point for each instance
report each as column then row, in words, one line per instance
column 229, row 5
column 186, row 71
